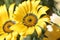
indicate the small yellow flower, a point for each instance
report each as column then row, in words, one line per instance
column 5, row 21
column 30, row 16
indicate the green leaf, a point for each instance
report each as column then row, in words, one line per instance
column 35, row 38
column 27, row 38
column 19, row 1
column 49, row 3
column 2, row 2
column 8, row 2
column 35, row 34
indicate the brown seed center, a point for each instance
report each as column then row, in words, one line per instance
column 30, row 20
column 7, row 25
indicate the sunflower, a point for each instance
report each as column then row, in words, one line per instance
column 30, row 16
column 5, row 21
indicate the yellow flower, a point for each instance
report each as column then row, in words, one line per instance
column 5, row 20
column 30, row 16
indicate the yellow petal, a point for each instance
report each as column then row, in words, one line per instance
column 38, row 29
column 45, row 18
column 41, row 24
column 29, row 6
column 1, row 21
column 21, row 38
column 21, row 8
column 8, row 37
column 18, row 18
column 42, row 11
column 24, row 4
column 19, row 13
column 3, row 36
column 3, row 13
column 14, row 36
column 39, row 7
column 30, row 31
column 11, row 9
column 35, row 4
column 19, row 28
column 33, row 10
column 1, row 30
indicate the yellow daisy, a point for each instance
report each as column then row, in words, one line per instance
column 5, row 21
column 30, row 16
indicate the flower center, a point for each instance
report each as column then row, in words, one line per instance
column 7, row 25
column 30, row 20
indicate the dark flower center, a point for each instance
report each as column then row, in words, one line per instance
column 7, row 25
column 30, row 20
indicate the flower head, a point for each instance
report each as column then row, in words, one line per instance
column 30, row 16
column 5, row 21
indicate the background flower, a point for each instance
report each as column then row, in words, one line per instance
column 5, row 21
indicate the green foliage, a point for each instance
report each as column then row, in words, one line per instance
column 49, row 3
column 8, row 2
column 1, row 2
